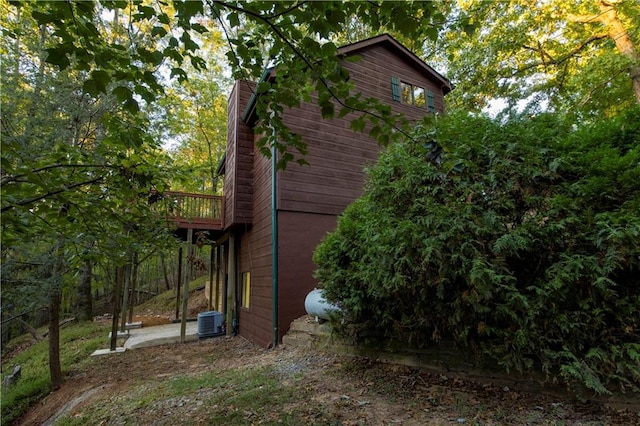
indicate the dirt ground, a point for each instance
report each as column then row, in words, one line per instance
column 352, row 391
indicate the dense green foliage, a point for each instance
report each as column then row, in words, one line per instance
column 520, row 241
column 76, row 170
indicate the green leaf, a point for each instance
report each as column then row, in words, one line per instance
column 158, row 31
column 263, row 87
column 233, row 19
column 327, row 110
column 132, row 106
column 189, row 9
column 358, row 124
column 89, row 87
column 57, row 56
column 198, row 63
column 122, row 93
column 147, row 12
column 469, row 29
column 199, row 28
column 179, row 73
column 45, row 18
column 101, row 80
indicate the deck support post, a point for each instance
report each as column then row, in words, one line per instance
column 185, row 291
column 218, row 266
column 212, row 264
column 231, row 286
column 179, row 283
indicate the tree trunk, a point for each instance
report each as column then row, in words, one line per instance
column 84, row 309
column 167, row 283
column 134, row 282
column 55, row 370
column 116, row 308
column 125, row 297
column 55, row 300
column 616, row 31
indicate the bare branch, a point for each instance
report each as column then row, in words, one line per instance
column 553, row 61
column 284, row 12
column 50, row 194
column 15, row 178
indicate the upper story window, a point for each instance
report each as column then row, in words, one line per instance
column 412, row 94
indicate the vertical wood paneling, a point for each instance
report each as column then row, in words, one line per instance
column 229, row 189
column 238, row 183
column 256, row 257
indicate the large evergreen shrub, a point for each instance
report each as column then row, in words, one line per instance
column 520, row 241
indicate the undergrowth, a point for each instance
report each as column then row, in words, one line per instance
column 77, row 342
column 518, row 240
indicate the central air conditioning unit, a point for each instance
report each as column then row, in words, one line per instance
column 210, row 324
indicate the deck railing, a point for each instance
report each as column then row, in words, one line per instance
column 189, row 210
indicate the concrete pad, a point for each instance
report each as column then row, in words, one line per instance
column 167, row 334
column 108, row 351
column 133, row 325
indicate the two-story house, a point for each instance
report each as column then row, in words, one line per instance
column 273, row 220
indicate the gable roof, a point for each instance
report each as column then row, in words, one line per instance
column 397, row 47
column 249, row 116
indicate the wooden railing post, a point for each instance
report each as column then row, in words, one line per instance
column 194, row 209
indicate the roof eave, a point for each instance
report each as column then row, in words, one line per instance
column 386, row 38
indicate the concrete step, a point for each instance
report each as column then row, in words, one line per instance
column 133, row 325
column 121, row 335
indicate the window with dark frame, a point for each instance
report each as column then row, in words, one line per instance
column 411, row 94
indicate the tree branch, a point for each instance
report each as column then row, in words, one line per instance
column 284, row 12
column 49, row 194
column 551, row 60
column 9, row 179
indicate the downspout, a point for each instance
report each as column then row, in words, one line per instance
column 274, row 247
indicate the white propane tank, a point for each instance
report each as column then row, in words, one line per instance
column 317, row 306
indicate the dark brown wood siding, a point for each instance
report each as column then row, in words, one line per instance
column 255, row 257
column 298, row 236
column 338, row 155
column 238, row 182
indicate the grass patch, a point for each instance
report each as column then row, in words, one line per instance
column 77, row 342
column 230, row 397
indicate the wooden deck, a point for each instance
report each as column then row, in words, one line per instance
column 195, row 211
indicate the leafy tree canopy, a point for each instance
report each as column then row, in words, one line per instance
column 572, row 56
column 294, row 34
column 76, row 169
column 519, row 241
